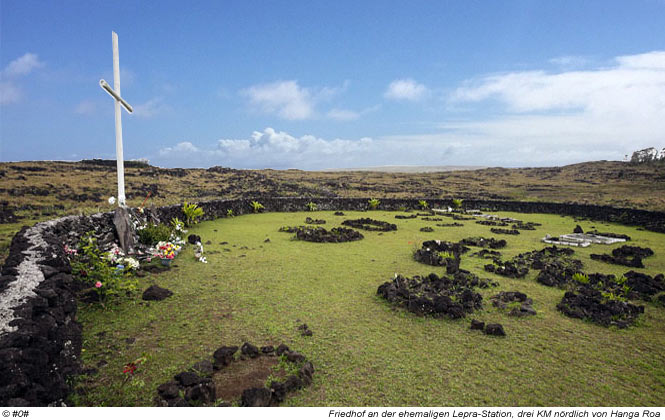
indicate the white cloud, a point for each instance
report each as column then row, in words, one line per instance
column 290, row 101
column 284, row 98
column 9, row 93
column 151, row 108
column 274, row 149
column 85, row 107
column 405, row 89
column 22, row 65
column 567, row 116
column 543, row 118
column 185, row 147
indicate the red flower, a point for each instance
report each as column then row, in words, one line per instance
column 130, row 368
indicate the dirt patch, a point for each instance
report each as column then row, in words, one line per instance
column 239, row 375
column 252, row 373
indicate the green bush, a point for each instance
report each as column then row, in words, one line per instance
column 256, row 206
column 192, row 213
column 581, row 278
column 91, row 267
column 311, row 206
column 152, row 234
column 457, row 203
column 373, row 203
column 423, row 204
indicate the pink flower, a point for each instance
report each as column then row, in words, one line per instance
column 148, row 259
column 98, row 284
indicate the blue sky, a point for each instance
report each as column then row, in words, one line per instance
column 321, row 84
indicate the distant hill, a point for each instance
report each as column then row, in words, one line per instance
column 407, row 169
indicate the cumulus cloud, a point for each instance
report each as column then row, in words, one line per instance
column 284, row 98
column 596, row 113
column 405, row 90
column 22, row 65
column 538, row 118
column 183, row 147
column 274, row 149
column 290, row 101
column 10, row 91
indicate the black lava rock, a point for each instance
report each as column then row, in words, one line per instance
column 494, row 329
column 250, row 350
column 256, row 397
column 155, row 292
column 477, row 325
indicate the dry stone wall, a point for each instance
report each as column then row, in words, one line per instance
column 40, row 340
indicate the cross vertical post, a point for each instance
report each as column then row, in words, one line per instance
column 118, row 123
column 115, row 94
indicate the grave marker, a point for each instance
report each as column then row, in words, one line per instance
column 115, row 94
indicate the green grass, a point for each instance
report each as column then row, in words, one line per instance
column 365, row 351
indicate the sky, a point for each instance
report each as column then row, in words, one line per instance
column 334, row 84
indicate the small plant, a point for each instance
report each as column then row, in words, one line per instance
column 192, row 213
column 311, row 206
column 373, row 203
column 610, row 296
column 152, row 234
column 178, row 226
column 457, row 203
column 423, row 204
column 229, row 213
column 581, row 278
column 447, row 255
column 256, row 206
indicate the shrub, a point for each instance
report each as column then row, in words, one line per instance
column 192, row 213
column 581, row 278
column 312, row 206
column 446, row 255
column 423, row 204
column 256, row 206
column 90, row 267
column 373, row 203
column 229, row 213
column 152, row 234
column 457, row 203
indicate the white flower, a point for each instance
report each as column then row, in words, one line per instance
column 111, row 200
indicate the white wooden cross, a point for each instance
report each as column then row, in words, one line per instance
column 115, row 94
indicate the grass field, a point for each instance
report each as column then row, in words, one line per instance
column 365, row 351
